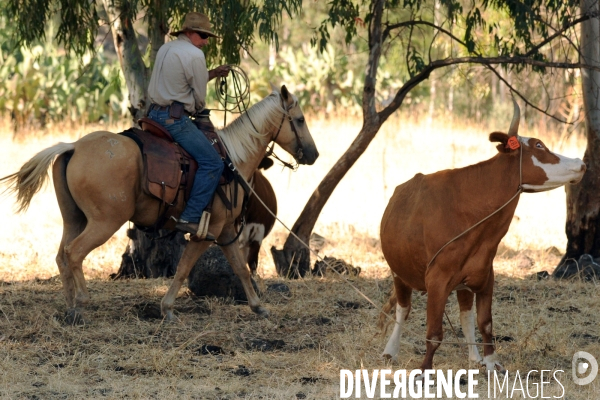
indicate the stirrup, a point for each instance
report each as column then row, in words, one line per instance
column 203, row 225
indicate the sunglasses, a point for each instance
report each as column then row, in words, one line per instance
column 203, row 35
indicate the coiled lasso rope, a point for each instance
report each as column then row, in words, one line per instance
column 233, row 91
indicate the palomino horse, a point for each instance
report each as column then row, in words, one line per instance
column 98, row 181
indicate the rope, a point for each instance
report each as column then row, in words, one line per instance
column 519, row 191
column 233, row 92
column 461, row 343
column 311, row 250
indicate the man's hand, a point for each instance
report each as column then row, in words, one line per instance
column 220, row 71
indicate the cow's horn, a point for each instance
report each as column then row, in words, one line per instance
column 514, row 125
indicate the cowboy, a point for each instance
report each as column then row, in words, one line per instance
column 177, row 90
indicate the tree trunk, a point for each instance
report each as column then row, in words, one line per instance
column 151, row 255
column 583, row 199
column 156, row 255
column 294, row 260
column 130, row 57
column 157, row 30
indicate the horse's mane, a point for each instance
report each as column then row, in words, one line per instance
column 240, row 136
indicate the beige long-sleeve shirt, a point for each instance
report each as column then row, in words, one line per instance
column 179, row 74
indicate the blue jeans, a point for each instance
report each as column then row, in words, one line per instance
column 210, row 165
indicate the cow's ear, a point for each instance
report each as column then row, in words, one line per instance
column 503, row 139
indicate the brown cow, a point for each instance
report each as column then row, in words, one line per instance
column 428, row 211
column 259, row 221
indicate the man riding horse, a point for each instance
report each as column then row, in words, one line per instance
column 177, row 90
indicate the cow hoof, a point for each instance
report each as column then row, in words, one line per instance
column 74, row 316
column 260, row 310
column 491, row 364
column 169, row 316
column 389, row 357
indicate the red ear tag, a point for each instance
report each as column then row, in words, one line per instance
column 513, row 143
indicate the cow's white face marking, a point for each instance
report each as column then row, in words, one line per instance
column 565, row 170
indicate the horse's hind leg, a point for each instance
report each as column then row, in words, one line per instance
column 73, row 224
column 70, row 232
column 95, row 234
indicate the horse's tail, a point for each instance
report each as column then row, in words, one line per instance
column 33, row 174
column 386, row 311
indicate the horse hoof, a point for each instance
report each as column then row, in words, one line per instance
column 169, row 316
column 74, row 317
column 263, row 312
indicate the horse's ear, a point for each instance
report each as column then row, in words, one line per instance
column 284, row 93
column 273, row 87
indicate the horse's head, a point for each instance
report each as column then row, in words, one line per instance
column 293, row 135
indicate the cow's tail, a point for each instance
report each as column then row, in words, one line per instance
column 33, row 174
column 386, row 316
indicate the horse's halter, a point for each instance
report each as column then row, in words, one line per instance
column 300, row 152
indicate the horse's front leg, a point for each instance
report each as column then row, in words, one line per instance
column 238, row 263
column 191, row 254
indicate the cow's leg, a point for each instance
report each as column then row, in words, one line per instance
column 191, row 254
column 251, row 255
column 467, row 321
column 437, row 294
column 403, row 299
column 234, row 256
column 94, row 235
column 483, row 301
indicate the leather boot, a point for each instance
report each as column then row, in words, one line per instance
column 192, row 229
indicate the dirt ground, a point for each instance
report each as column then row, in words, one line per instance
column 220, row 350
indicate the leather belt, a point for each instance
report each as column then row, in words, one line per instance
column 156, row 107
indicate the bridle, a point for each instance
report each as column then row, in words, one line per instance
column 300, row 151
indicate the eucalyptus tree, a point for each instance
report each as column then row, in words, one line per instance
column 536, row 34
column 583, row 199
column 239, row 23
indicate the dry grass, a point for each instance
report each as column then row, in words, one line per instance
column 126, row 351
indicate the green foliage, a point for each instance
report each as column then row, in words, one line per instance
column 78, row 20
column 42, row 84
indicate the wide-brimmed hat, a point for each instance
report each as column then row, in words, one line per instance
column 195, row 21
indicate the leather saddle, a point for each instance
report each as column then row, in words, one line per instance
column 169, row 170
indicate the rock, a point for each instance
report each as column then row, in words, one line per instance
column 541, row 275
column 330, row 265
column 524, row 261
column 213, row 276
column 585, row 268
column 553, row 251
